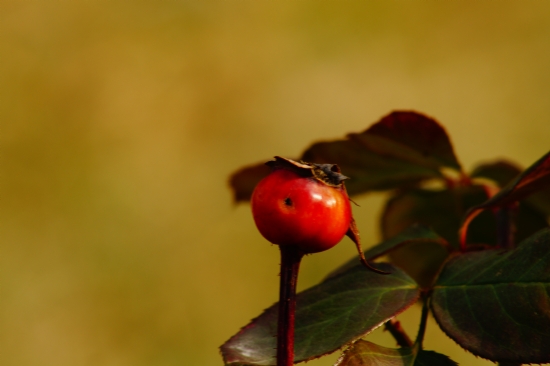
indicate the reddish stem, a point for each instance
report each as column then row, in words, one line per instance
column 423, row 322
column 397, row 331
column 463, row 231
column 506, row 225
column 290, row 264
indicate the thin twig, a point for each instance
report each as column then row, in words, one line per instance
column 395, row 329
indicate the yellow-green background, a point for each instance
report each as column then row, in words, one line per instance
column 120, row 122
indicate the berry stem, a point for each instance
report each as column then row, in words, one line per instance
column 290, row 264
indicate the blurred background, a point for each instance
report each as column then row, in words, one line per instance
column 121, row 121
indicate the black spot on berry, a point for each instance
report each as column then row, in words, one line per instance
column 288, row 201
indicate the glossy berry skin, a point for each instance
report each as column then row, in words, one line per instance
column 290, row 209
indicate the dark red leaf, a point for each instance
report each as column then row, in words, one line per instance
column 412, row 137
column 400, row 150
column 533, row 179
column 500, row 171
column 367, row 170
column 243, row 181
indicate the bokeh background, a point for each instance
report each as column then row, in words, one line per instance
column 120, row 122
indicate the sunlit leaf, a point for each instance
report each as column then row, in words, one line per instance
column 364, row 353
column 495, row 303
column 328, row 316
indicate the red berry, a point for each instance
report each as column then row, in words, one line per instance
column 293, row 209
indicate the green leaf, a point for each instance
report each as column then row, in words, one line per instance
column 328, row 316
column 443, row 211
column 400, row 150
column 533, row 179
column 495, row 303
column 364, row 353
column 414, row 234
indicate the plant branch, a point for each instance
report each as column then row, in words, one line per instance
column 395, row 329
column 463, row 231
column 506, row 225
column 290, row 265
column 423, row 322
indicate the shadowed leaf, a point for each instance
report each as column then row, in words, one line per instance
column 412, row 235
column 440, row 210
column 431, row 358
column 533, row 179
column 245, row 180
column 495, row 303
column 328, row 316
column 364, row 353
column 367, row 170
column 500, row 171
column 540, row 201
column 532, row 186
